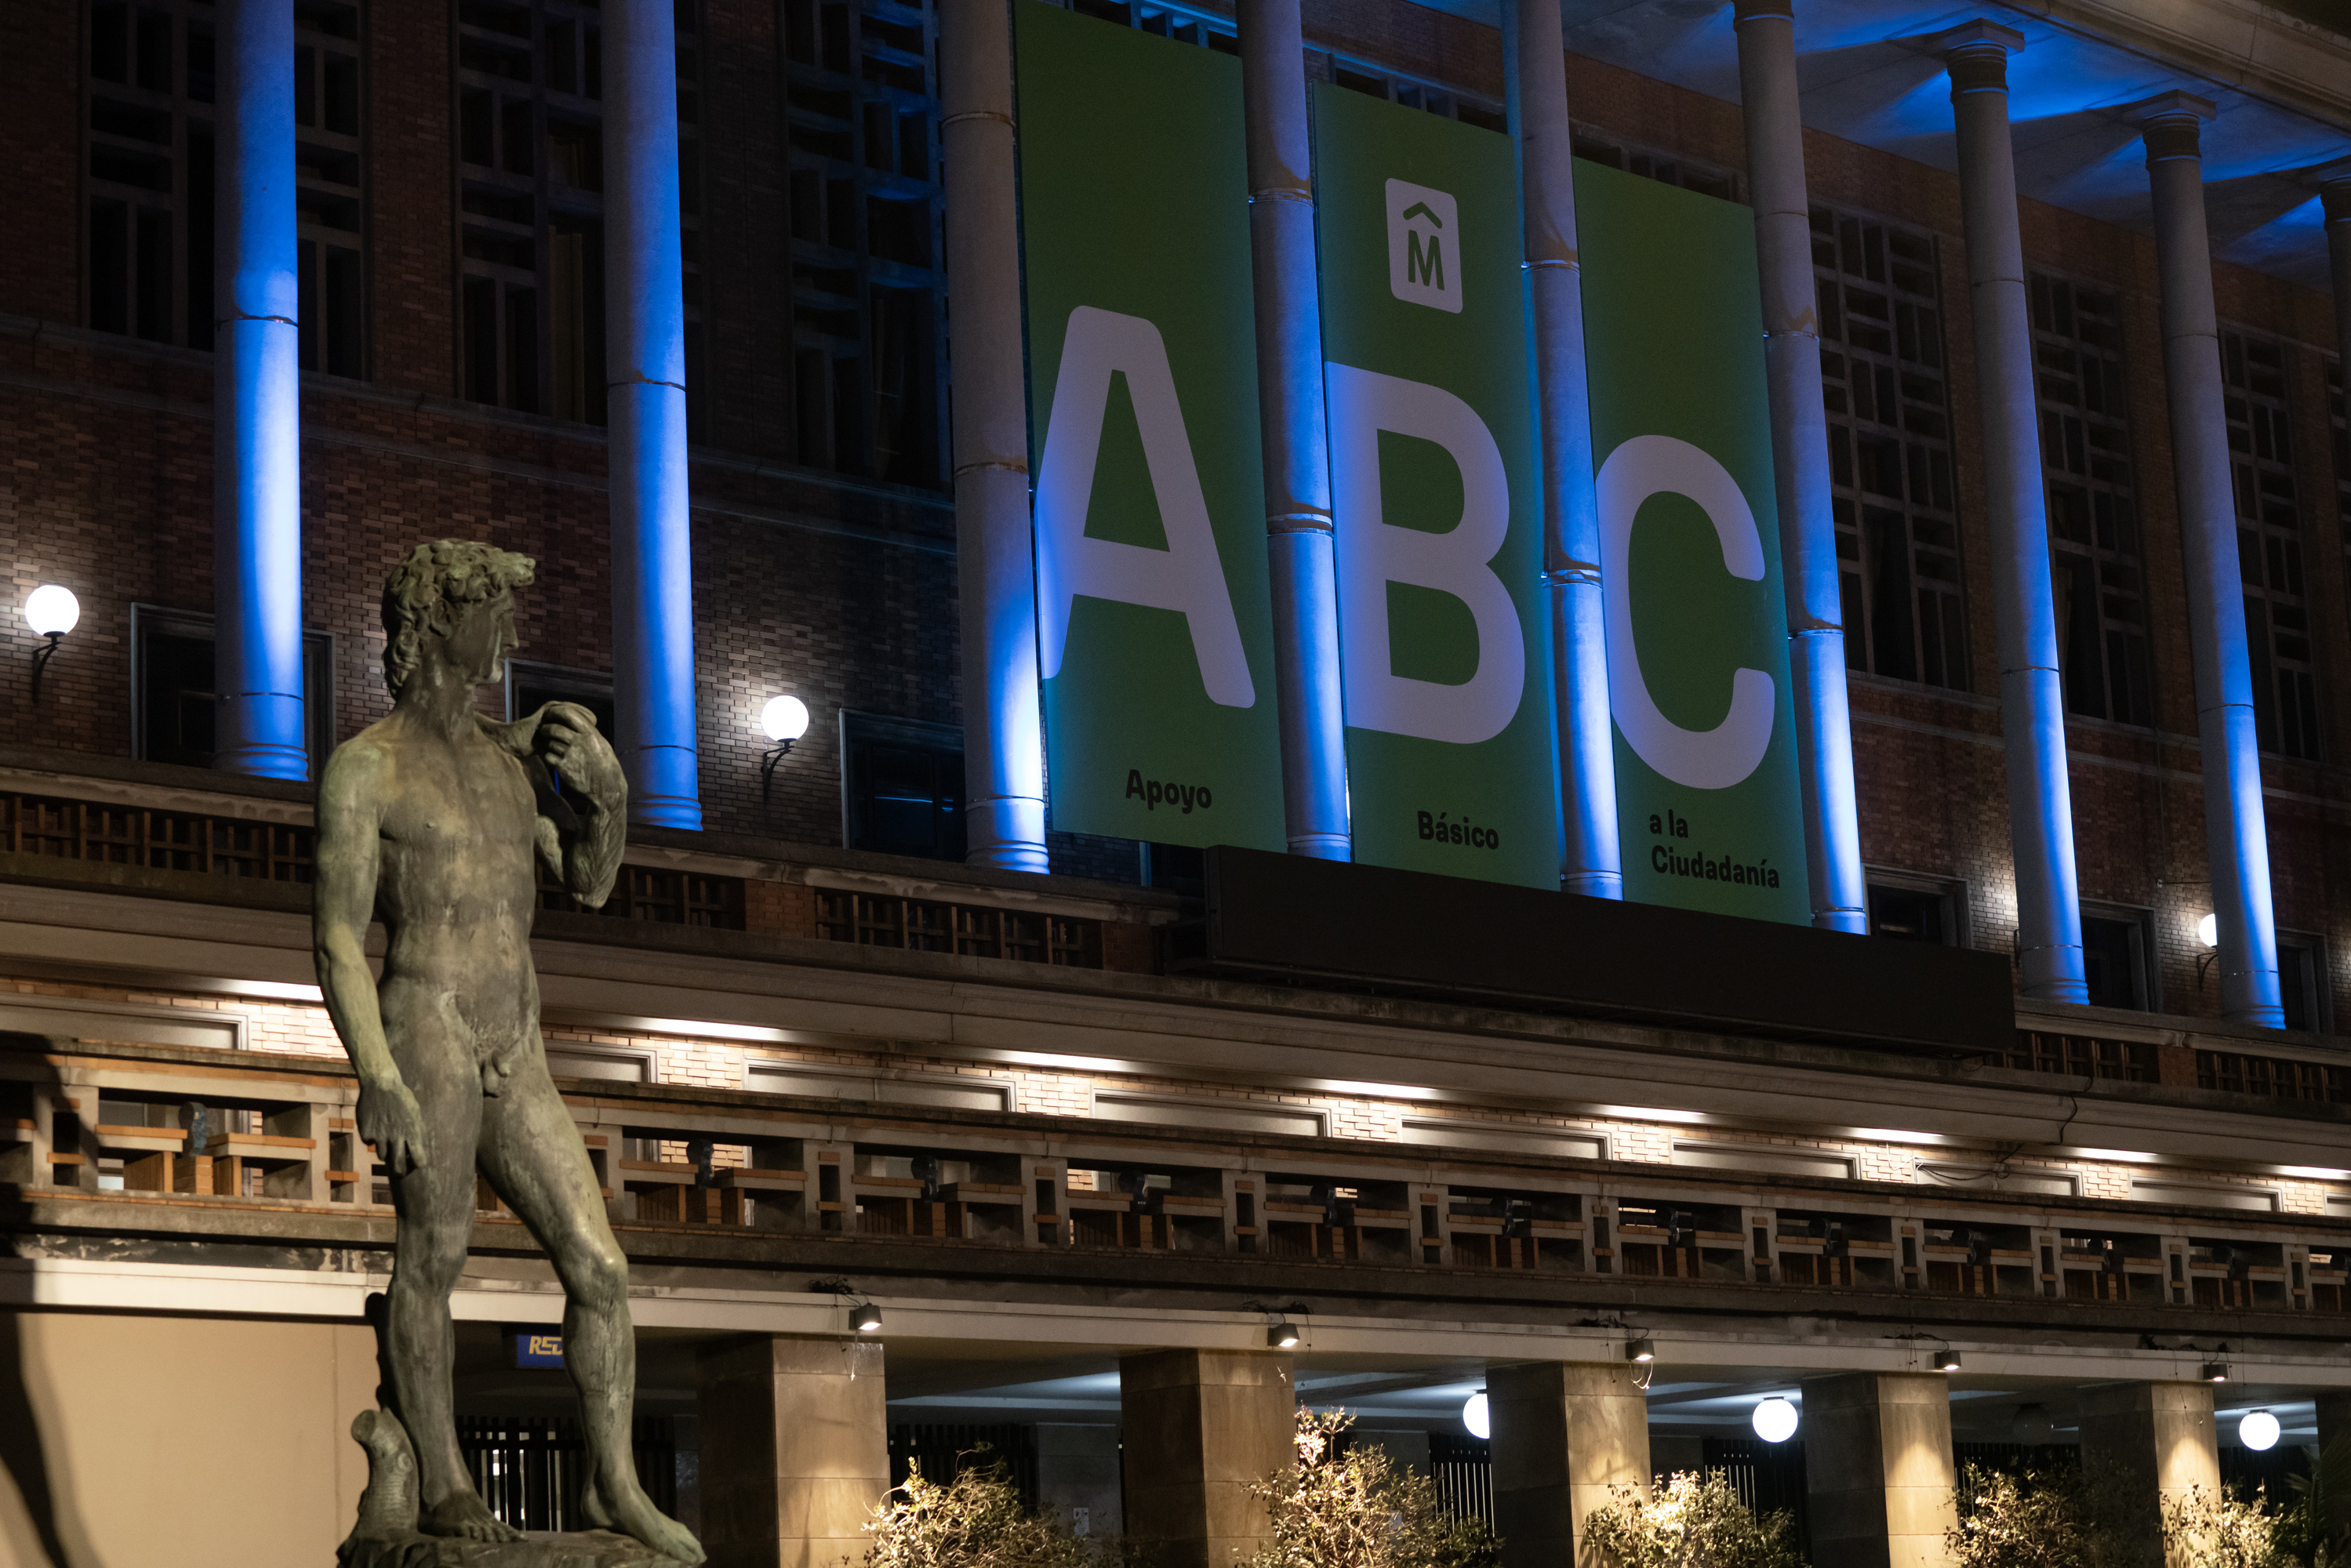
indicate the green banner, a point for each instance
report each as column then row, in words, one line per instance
column 1435, row 502
column 1697, row 635
column 1154, row 635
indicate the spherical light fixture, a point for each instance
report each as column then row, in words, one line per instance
column 51, row 609
column 1774, row 1420
column 2208, row 931
column 1478, row 1415
column 2258, row 1431
column 785, row 719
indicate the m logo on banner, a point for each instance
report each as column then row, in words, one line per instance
column 1423, row 246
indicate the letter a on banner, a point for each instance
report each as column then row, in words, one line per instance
column 1698, row 633
column 1435, row 504
column 1152, row 602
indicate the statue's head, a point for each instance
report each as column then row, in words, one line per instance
column 456, row 594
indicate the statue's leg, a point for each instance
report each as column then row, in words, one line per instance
column 435, row 1200
column 532, row 1157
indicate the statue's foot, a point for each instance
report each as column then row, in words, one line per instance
column 465, row 1515
column 632, row 1513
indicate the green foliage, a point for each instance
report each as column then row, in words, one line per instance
column 1694, row 1520
column 2032, row 1519
column 1357, row 1510
column 2305, row 1531
column 2212, row 1529
column 977, row 1522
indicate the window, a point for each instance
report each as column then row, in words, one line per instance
column 1916, row 909
column 1179, row 868
column 869, row 316
column 171, row 696
column 2302, row 982
column 1436, row 100
column 1889, row 450
column 149, row 157
column 1698, row 177
column 902, row 787
column 531, row 687
column 2115, row 958
column 2095, row 566
column 530, row 205
column 2269, row 546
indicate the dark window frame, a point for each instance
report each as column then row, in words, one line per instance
column 2316, row 998
column 2257, row 373
column 150, row 620
column 2146, row 980
column 860, row 730
column 1952, row 893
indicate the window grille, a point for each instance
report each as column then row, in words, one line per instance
column 869, row 318
column 530, row 205
column 1666, row 169
column 2269, row 545
column 161, row 841
column 663, row 898
column 926, row 925
column 2085, row 460
column 1882, row 378
column 151, row 80
column 2081, row 1056
column 2235, row 1072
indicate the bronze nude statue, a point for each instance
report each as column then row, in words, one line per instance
column 429, row 820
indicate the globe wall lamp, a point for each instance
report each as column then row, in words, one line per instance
column 2208, row 932
column 1774, row 1420
column 2258, row 1431
column 51, row 610
column 1478, row 1415
column 785, row 719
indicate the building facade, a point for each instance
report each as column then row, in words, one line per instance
column 1083, row 1162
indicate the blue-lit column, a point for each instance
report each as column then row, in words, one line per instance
column 1296, row 443
column 1534, row 59
column 256, row 402
column 2235, row 826
column 1800, row 452
column 644, row 358
column 1003, row 740
column 2032, row 699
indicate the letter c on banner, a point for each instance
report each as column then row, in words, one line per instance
column 1643, row 466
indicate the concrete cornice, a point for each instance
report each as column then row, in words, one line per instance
column 2249, row 46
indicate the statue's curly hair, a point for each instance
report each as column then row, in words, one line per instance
column 427, row 591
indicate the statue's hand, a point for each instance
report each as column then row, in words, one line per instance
column 389, row 1118
column 566, row 735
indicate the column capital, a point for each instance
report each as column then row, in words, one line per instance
column 1977, row 38
column 2173, row 124
column 1762, row 10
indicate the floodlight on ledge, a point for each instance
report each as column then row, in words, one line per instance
column 2215, row 1372
column 51, row 610
column 1947, row 1360
column 1282, row 1336
column 1641, row 1350
column 866, row 1317
column 784, row 719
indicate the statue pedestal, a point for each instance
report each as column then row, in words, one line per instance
column 592, row 1549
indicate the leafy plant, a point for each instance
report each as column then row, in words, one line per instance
column 2212, row 1529
column 975, row 1522
column 1342, row 1507
column 2032, row 1519
column 1695, row 1519
column 2306, row 1532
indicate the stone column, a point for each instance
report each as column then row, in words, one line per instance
column 1878, row 1469
column 1564, row 1433
column 2334, row 194
column 2236, row 836
column 1294, row 438
column 2031, row 696
column 256, row 402
column 795, row 1448
column 1199, row 1426
column 1800, row 451
column 2143, row 1443
column 996, row 566
column 1077, row 1477
column 644, row 334
column 1534, row 63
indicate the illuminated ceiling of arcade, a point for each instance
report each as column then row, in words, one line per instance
column 1868, row 76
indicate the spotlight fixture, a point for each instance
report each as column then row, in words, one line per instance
column 2215, row 1372
column 866, row 1317
column 1478, row 1415
column 1282, row 1335
column 785, row 719
column 1947, row 1360
column 51, row 610
column 2258, row 1431
column 1640, row 1350
column 1774, row 1420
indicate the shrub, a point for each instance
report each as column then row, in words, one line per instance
column 2032, row 1519
column 1693, row 1520
column 2205, row 1528
column 1338, row 1508
column 974, row 1522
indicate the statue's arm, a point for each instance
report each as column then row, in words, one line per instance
column 583, row 835
column 343, row 902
